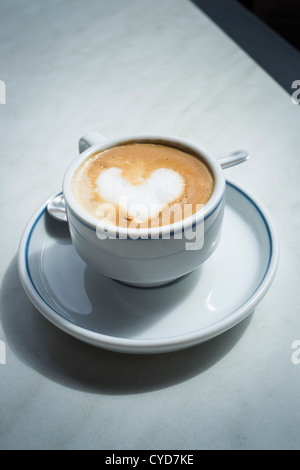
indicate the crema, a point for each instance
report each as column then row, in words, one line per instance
column 142, row 185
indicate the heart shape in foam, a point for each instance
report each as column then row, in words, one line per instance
column 140, row 201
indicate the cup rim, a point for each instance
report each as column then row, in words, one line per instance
column 152, row 232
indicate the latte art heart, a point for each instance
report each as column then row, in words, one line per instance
column 141, row 185
column 144, row 200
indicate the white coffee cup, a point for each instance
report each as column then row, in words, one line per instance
column 145, row 257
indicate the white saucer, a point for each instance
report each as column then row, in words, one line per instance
column 117, row 317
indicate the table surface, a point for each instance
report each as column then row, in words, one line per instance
column 143, row 67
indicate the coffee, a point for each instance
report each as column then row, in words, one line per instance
column 142, row 185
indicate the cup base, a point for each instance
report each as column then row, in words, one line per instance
column 149, row 284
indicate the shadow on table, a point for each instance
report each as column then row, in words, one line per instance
column 72, row 363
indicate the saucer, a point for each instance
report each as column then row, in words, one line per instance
column 190, row 310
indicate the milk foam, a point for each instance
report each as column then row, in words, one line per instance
column 136, row 183
column 141, row 201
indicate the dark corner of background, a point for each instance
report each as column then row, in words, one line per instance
column 267, row 30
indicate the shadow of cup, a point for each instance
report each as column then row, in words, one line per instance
column 78, row 365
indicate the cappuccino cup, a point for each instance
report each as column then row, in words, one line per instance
column 144, row 209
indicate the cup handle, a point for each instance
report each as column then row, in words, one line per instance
column 90, row 139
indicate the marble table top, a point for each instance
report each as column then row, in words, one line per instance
column 116, row 67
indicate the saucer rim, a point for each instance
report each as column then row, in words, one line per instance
column 161, row 345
